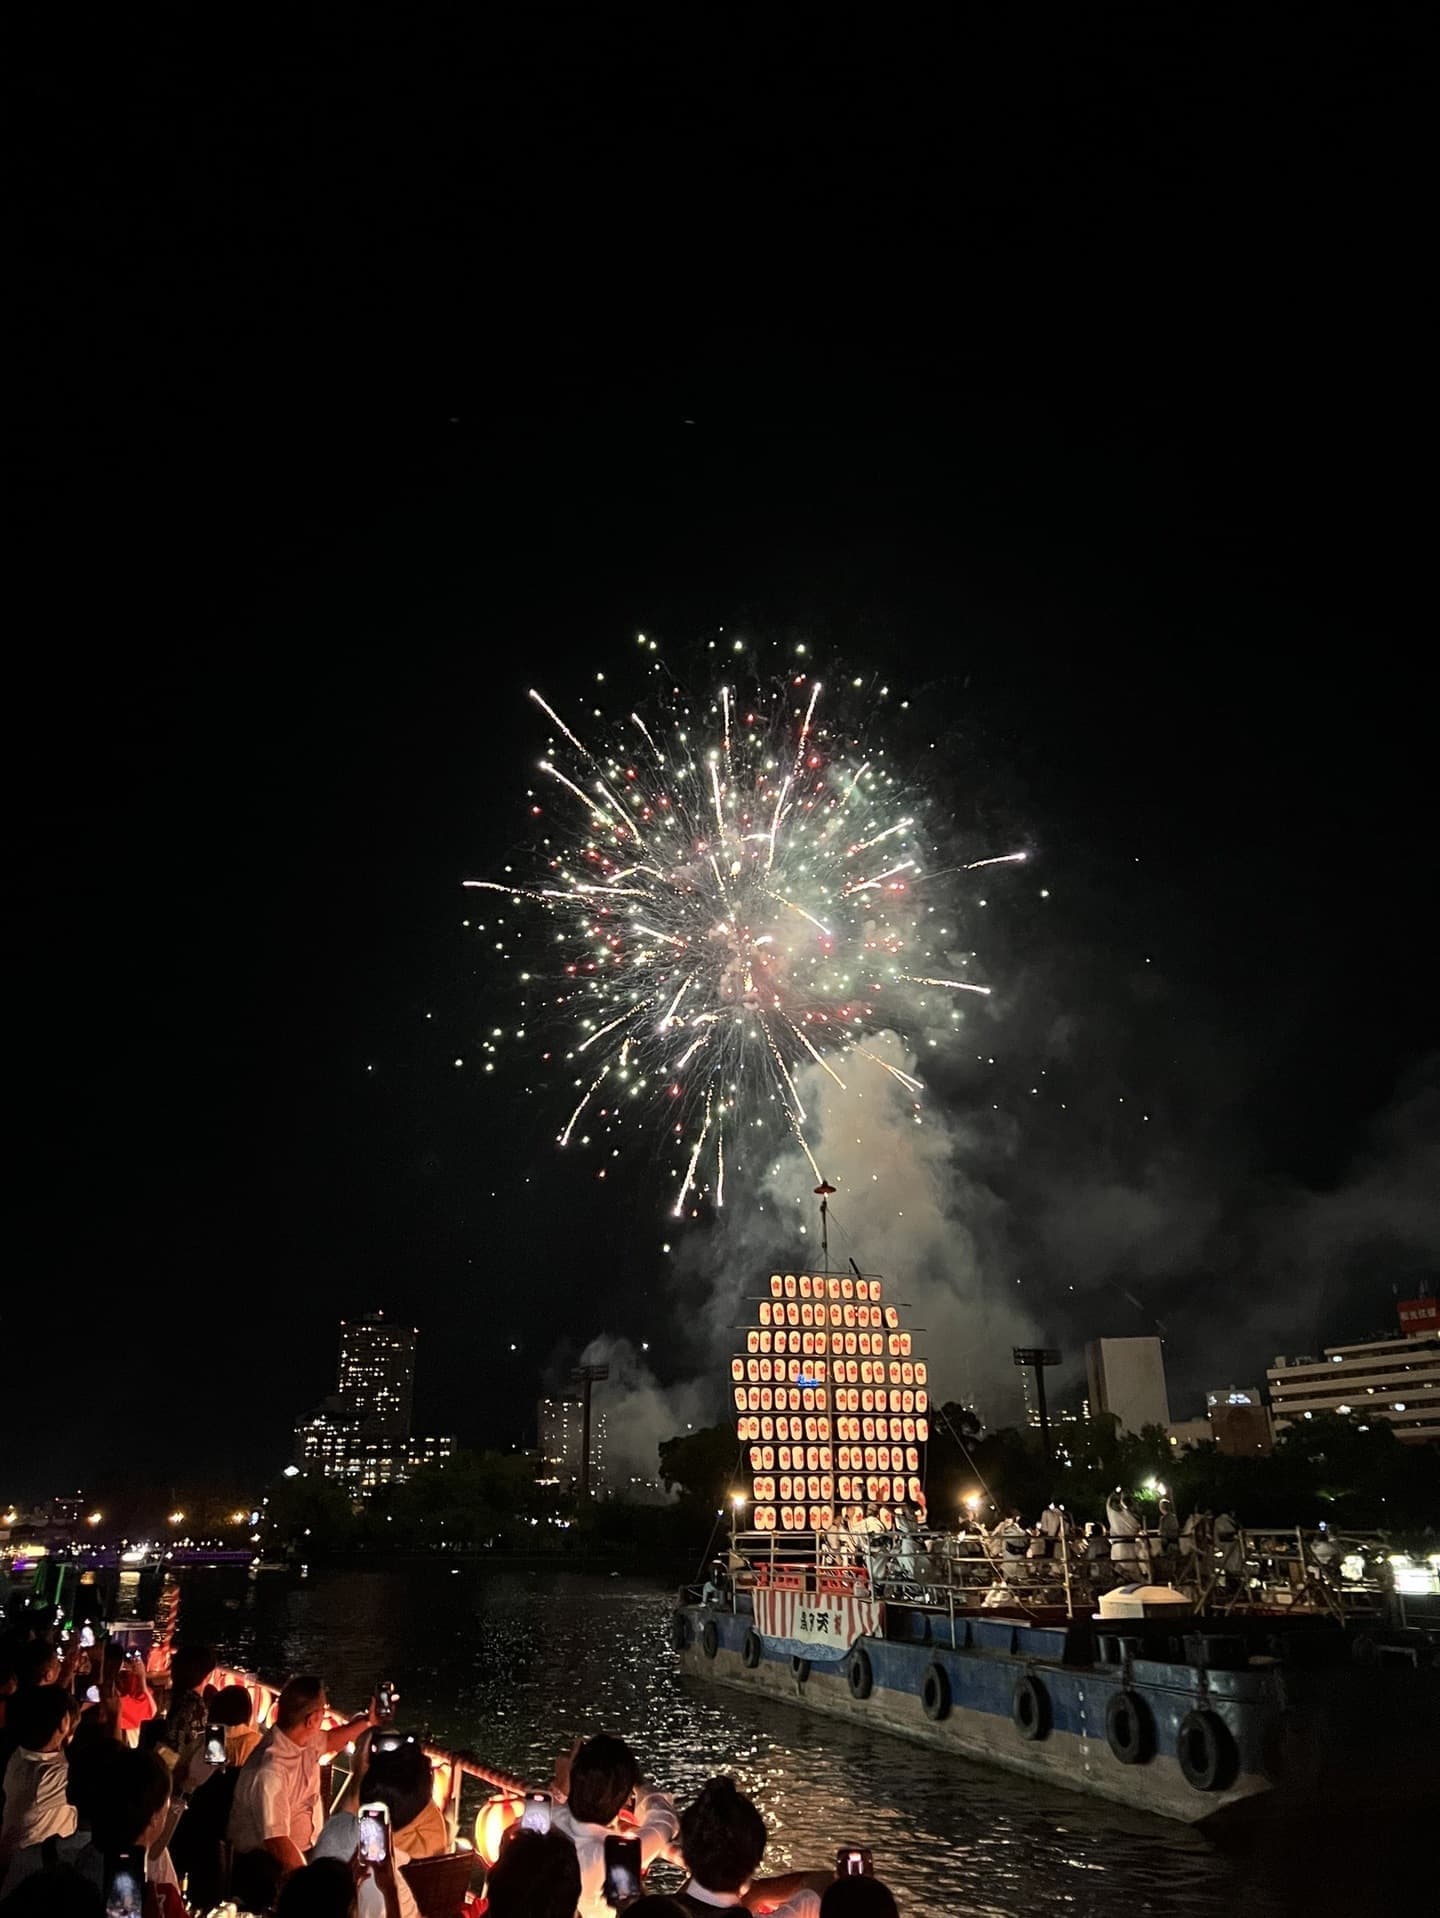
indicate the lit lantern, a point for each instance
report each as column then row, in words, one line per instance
column 790, row 1286
column 492, row 1821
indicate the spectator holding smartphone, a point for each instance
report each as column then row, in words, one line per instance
column 593, row 1785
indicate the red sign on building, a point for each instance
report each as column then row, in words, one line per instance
column 1419, row 1318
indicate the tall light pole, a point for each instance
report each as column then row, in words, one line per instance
column 586, row 1376
column 1037, row 1357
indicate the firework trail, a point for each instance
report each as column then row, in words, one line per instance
column 731, row 889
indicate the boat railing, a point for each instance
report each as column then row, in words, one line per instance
column 1271, row 1568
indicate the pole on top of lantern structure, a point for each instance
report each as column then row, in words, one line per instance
column 824, row 1192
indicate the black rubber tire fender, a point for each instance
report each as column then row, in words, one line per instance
column 860, row 1673
column 679, row 1631
column 1030, row 1708
column 752, row 1651
column 1129, row 1728
column 800, row 1669
column 935, row 1693
column 1206, row 1751
column 710, row 1639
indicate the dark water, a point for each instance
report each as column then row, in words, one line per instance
column 515, row 1664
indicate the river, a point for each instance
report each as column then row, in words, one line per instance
column 515, row 1663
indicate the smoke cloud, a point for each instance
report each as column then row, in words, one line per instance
column 640, row 1414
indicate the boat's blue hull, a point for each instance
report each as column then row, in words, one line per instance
column 1289, row 1738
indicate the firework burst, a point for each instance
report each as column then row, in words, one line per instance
column 736, row 888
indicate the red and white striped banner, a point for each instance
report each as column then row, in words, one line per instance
column 817, row 1621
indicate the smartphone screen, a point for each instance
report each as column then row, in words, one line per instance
column 622, row 1870
column 374, row 1834
column 854, row 1861
column 392, row 1741
column 536, row 1816
column 386, row 1698
column 214, row 1744
column 125, row 1884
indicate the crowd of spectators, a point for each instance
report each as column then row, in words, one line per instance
column 125, row 1795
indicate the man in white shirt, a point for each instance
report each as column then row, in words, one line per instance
column 596, row 1783
column 36, row 1806
column 277, row 1802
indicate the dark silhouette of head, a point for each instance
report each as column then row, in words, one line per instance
column 325, row 1889
column 537, row 1875
column 192, row 1666
column 603, row 1773
column 136, row 1793
column 403, row 1778
column 232, row 1707
column 858, row 1898
column 722, row 1837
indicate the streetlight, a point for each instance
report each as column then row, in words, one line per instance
column 237, row 1518
column 94, row 1518
column 737, row 1506
column 291, row 1471
column 177, row 1518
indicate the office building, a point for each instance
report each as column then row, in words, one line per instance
column 1394, row 1381
column 560, row 1425
column 1239, row 1422
column 361, row 1434
column 1127, row 1379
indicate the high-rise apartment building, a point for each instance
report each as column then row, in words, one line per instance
column 560, row 1426
column 361, row 1433
column 1127, row 1378
column 377, row 1374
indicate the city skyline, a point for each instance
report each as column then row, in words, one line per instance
column 1188, row 1101
column 361, row 1434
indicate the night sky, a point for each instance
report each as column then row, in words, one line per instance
column 1084, row 402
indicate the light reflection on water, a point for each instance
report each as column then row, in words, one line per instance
column 514, row 1664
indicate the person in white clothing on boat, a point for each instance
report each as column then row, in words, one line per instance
column 1229, row 1547
column 907, row 1561
column 593, row 1785
column 1129, row 1553
column 1009, row 1539
column 1052, row 1528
